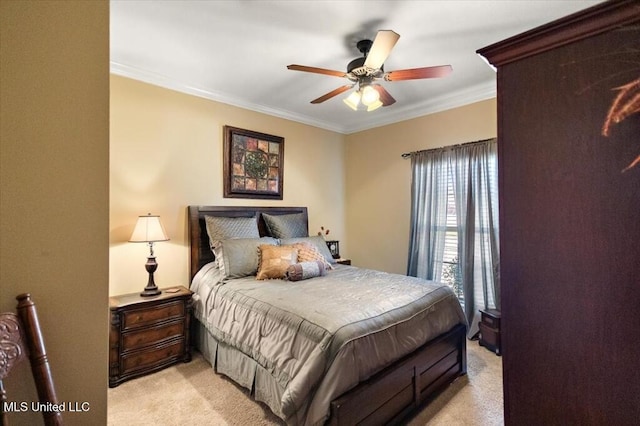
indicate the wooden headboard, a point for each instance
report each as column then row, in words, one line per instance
column 199, row 239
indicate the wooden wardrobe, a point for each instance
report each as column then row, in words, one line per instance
column 568, row 135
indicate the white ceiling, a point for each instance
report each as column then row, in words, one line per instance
column 236, row 52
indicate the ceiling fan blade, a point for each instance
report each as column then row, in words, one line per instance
column 332, row 94
column 382, row 45
column 417, row 73
column 317, row 70
column 385, row 97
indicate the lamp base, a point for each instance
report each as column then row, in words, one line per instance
column 150, row 292
column 151, row 289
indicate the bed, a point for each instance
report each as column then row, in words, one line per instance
column 351, row 346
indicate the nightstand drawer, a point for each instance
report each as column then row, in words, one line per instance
column 154, row 357
column 490, row 336
column 142, row 317
column 490, row 318
column 138, row 339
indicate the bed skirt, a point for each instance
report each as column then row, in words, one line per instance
column 243, row 370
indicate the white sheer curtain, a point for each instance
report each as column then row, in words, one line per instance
column 473, row 170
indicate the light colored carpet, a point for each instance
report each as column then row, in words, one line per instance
column 192, row 394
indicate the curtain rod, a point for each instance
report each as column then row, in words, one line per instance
column 408, row 154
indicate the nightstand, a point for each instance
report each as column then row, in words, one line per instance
column 343, row 261
column 148, row 333
column 490, row 330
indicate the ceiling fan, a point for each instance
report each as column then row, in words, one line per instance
column 366, row 70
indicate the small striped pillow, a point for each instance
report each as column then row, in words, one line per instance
column 305, row 270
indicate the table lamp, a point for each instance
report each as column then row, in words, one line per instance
column 149, row 230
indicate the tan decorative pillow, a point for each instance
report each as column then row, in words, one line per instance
column 308, row 252
column 274, row 261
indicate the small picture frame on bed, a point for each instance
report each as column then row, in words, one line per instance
column 253, row 164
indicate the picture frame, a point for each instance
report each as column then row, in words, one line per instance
column 253, row 164
column 334, row 248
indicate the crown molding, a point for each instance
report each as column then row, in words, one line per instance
column 169, row 83
column 456, row 99
column 477, row 93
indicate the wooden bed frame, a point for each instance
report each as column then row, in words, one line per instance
column 391, row 395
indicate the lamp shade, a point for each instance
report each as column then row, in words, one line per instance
column 148, row 229
column 374, row 106
column 369, row 96
column 353, row 100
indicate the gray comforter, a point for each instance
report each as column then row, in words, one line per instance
column 301, row 344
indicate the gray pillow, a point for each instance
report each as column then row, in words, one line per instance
column 317, row 241
column 241, row 256
column 225, row 228
column 286, row 225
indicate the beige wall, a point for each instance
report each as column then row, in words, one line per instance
column 166, row 153
column 378, row 179
column 54, row 205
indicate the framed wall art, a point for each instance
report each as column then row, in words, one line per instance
column 253, row 164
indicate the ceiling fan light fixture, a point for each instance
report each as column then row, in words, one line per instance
column 364, row 72
column 370, row 96
column 353, row 100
